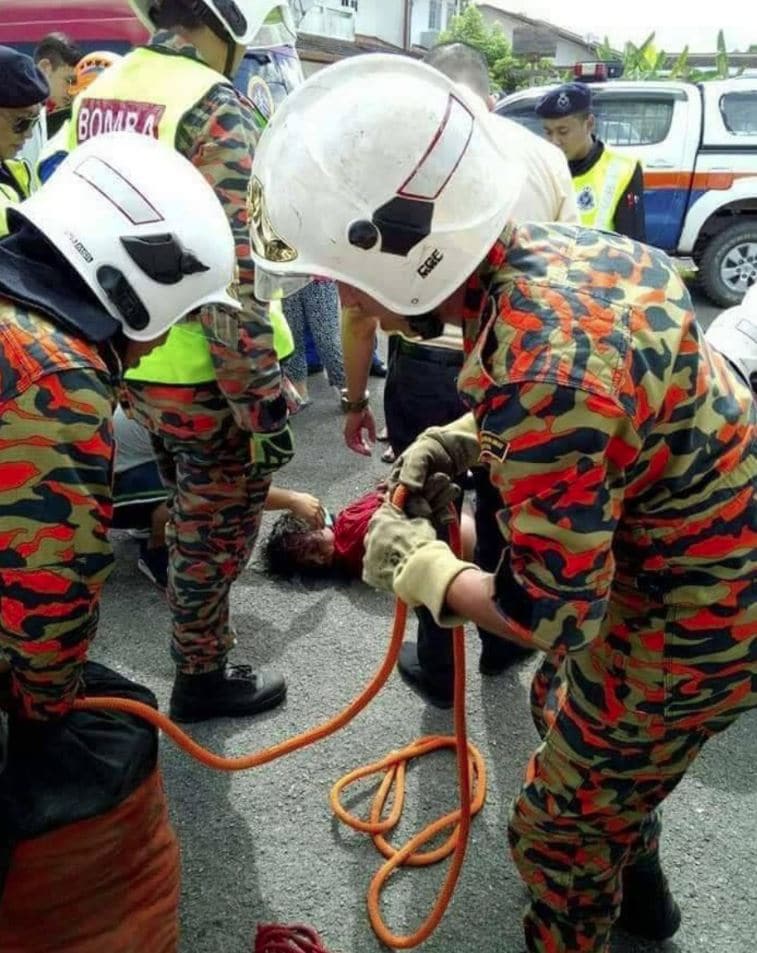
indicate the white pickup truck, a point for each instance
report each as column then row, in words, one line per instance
column 698, row 146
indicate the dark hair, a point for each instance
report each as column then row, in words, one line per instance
column 462, row 63
column 583, row 115
column 286, row 549
column 189, row 14
column 57, row 48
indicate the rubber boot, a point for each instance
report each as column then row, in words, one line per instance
column 648, row 909
column 229, row 692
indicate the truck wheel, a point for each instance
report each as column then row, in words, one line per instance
column 729, row 264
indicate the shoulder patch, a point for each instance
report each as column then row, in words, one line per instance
column 493, row 448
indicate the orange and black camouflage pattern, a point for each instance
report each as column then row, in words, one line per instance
column 625, row 454
column 216, row 498
column 216, row 494
column 56, row 450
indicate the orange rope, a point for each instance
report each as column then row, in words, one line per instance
column 470, row 766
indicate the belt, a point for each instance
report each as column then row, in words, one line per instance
column 445, row 356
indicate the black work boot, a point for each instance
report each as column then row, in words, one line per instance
column 648, row 909
column 232, row 691
column 436, row 690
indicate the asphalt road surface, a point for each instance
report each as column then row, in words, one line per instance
column 263, row 846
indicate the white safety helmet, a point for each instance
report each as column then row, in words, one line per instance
column 380, row 172
column 734, row 334
column 142, row 227
column 266, row 22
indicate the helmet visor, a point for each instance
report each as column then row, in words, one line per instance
column 272, row 287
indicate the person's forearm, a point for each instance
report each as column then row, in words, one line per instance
column 280, row 499
column 358, row 334
column 471, row 596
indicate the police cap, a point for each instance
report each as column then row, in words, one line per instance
column 564, row 101
column 22, row 83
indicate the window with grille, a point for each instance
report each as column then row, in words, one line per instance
column 451, row 11
column 352, row 4
column 739, row 112
column 435, row 15
column 633, row 122
column 620, row 121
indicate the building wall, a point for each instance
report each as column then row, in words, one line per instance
column 569, row 53
column 492, row 16
column 330, row 19
column 384, row 19
column 431, row 15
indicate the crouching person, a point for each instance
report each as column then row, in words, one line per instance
column 97, row 266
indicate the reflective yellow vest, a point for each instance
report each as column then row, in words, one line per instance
column 150, row 93
column 13, row 194
column 599, row 190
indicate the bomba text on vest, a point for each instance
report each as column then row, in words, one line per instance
column 98, row 116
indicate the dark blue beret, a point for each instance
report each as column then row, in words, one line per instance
column 22, row 83
column 564, row 101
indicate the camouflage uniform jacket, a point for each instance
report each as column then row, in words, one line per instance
column 623, row 448
column 56, row 398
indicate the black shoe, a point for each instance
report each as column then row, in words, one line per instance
column 648, row 909
column 153, row 563
column 497, row 656
column 378, row 368
column 315, row 369
column 232, row 691
column 438, row 693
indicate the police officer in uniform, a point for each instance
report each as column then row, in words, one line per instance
column 23, row 91
column 609, row 186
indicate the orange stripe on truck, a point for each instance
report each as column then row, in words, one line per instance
column 700, row 181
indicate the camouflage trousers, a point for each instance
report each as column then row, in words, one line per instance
column 56, row 452
column 616, row 740
column 215, row 502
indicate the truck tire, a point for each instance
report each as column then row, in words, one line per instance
column 729, row 263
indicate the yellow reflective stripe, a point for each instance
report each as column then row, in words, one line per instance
column 183, row 359
column 24, row 181
column 283, row 342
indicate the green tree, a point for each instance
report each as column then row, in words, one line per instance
column 470, row 27
column 647, row 62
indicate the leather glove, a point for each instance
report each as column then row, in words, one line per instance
column 403, row 556
column 428, row 466
column 271, row 451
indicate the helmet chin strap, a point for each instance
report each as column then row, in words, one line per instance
column 211, row 21
column 231, row 49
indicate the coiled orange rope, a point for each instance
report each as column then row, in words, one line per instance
column 470, row 767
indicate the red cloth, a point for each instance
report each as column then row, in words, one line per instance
column 350, row 528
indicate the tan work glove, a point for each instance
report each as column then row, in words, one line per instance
column 403, row 556
column 428, row 467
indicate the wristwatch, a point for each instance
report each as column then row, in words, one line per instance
column 353, row 406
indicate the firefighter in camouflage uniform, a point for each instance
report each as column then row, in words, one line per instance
column 621, row 444
column 69, row 322
column 212, row 395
